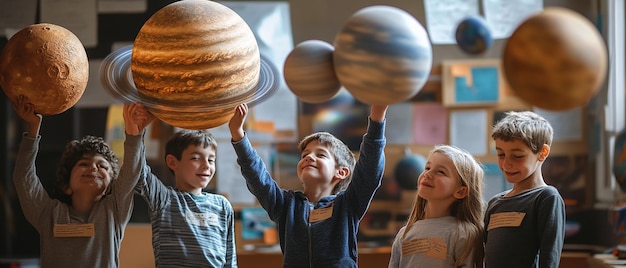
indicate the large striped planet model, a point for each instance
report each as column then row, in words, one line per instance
column 382, row 55
column 192, row 63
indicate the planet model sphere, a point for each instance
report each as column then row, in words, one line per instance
column 555, row 60
column 195, row 53
column 473, row 35
column 382, row 55
column 47, row 64
column 309, row 71
column 408, row 170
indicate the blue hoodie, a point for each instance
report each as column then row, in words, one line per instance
column 327, row 243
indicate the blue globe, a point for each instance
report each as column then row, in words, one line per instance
column 408, row 170
column 473, row 35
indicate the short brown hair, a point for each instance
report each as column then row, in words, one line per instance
column 527, row 126
column 340, row 151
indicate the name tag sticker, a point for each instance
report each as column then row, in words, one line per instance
column 432, row 247
column 438, row 249
column 202, row 219
column 74, row 230
column 321, row 214
column 415, row 246
column 505, row 219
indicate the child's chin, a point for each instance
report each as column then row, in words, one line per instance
column 205, row 184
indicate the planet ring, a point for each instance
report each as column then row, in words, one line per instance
column 116, row 78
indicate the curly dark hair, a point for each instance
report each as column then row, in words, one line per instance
column 74, row 151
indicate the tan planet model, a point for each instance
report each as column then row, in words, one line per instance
column 555, row 60
column 199, row 59
column 47, row 64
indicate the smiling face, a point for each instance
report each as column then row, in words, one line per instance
column 440, row 180
column 317, row 167
column 91, row 175
column 195, row 168
column 517, row 161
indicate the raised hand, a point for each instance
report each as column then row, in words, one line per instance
column 236, row 122
column 378, row 112
column 26, row 111
column 136, row 118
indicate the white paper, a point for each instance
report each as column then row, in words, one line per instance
column 16, row 15
column 443, row 17
column 400, row 121
column 567, row 125
column 78, row 16
column 271, row 24
column 468, row 130
column 230, row 182
column 503, row 16
column 122, row 6
column 95, row 96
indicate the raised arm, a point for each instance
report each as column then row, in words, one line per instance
column 136, row 119
column 32, row 195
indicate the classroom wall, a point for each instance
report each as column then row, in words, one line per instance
column 318, row 19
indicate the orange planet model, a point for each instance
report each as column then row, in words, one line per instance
column 555, row 60
column 47, row 64
column 196, row 60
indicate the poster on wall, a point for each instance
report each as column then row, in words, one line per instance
column 443, row 16
column 275, row 117
column 503, row 16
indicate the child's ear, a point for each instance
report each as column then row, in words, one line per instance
column 170, row 161
column 544, row 152
column 461, row 192
column 342, row 172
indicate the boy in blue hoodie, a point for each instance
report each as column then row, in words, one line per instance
column 317, row 227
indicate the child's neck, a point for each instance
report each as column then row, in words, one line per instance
column 314, row 195
column 532, row 182
column 187, row 188
column 437, row 210
column 84, row 204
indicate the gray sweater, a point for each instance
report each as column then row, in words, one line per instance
column 109, row 216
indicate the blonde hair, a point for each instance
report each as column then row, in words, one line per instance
column 468, row 211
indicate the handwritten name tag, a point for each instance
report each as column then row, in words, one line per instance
column 505, row 219
column 74, row 230
column 432, row 247
column 321, row 214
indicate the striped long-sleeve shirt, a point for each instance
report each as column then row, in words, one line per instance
column 188, row 230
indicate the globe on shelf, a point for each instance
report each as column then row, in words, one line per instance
column 408, row 169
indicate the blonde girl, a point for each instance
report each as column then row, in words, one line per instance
column 445, row 227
